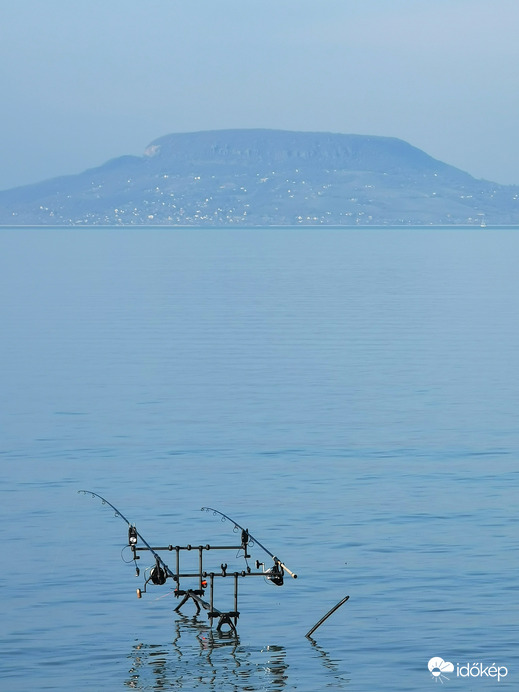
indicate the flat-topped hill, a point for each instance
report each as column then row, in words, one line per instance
column 266, row 177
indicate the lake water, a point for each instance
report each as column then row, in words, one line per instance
column 351, row 396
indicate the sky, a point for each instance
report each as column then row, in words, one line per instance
column 85, row 81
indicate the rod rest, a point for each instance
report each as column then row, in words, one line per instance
column 196, row 592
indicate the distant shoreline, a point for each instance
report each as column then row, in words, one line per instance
column 336, row 227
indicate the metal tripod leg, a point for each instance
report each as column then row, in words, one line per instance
column 184, row 600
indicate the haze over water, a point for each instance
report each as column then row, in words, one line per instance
column 349, row 396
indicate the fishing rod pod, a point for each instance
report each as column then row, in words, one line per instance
column 159, row 573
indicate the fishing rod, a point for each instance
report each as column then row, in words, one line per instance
column 161, row 571
column 248, row 538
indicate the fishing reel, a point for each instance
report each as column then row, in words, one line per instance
column 158, row 575
column 273, row 574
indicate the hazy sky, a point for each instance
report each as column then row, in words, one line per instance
column 85, row 81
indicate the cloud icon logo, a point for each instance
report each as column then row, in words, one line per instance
column 439, row 667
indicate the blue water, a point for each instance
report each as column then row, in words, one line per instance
column 351, row 396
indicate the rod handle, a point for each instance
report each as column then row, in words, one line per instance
column 294, row 576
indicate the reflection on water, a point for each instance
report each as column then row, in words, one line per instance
column 276, row 666
column 328, row 662
column 198, row 656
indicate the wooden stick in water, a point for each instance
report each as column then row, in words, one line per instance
column 308, row 634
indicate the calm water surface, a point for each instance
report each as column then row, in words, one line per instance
column 350, row 396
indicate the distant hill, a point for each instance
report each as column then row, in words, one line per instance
column 266, row 177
